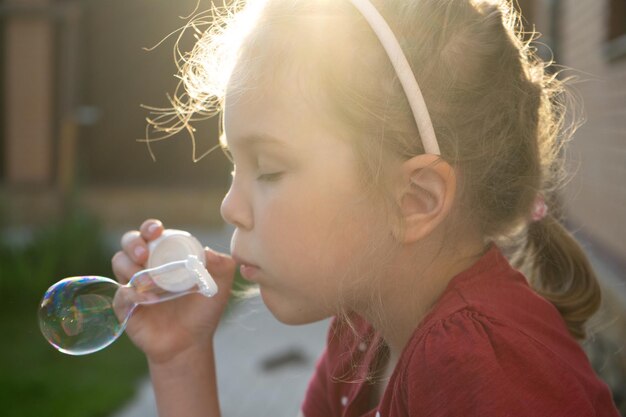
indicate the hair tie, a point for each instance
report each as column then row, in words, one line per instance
column 540, row 208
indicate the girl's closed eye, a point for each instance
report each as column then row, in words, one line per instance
column 269, row 168
column 270, row 176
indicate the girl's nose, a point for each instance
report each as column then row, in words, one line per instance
column 235, row 209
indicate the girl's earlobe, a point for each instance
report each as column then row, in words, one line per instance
column 428, row 187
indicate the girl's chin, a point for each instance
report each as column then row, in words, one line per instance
column 288, row 310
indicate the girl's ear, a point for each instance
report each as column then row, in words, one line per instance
column 426, row 192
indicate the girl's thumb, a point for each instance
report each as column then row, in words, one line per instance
column 218, row 264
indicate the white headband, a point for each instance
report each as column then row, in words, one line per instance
column 405, row 74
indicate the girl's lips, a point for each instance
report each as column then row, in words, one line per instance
column 249, row 272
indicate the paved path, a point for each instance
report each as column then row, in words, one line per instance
column 263, row 366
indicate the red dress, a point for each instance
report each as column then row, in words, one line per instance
column 491, row 347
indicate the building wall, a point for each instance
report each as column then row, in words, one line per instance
column 119, row 75
column 116, row 76
column 73, row 80
column 595, row 199
column 28, row 96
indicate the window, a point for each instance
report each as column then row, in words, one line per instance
column 616, row 36
column 617, row 16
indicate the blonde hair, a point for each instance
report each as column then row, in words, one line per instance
column 498, row 113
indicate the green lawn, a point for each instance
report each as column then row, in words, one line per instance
column 35, row 379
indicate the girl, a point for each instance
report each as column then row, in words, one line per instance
column 357, row 195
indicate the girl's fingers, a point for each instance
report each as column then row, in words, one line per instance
column 222, row 269
column 151, row 229
column 124, row 267
column 135, row 247
column 219, row 265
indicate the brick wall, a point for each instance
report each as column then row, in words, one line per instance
column 595, row 199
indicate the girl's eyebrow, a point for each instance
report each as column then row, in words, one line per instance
column 258, row 140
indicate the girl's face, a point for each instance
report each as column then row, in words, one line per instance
column 297, row 204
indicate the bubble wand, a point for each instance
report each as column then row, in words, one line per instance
column 82, row 315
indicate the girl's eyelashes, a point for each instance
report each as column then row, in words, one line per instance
column 267, row 170
column 270, row 177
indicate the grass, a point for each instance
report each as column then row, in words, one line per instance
column 35, row 379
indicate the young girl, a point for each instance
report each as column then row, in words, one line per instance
column 380, row 191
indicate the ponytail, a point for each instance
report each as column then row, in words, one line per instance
column 559, row 270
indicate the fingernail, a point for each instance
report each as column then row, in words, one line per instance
column 139, row 251
column 153, row 228
column 212, row 256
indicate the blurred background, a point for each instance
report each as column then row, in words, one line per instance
column 73, row 178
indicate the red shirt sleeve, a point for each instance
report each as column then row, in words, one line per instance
column 474, row 366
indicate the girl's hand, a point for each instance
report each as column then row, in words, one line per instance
column 165, row 330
